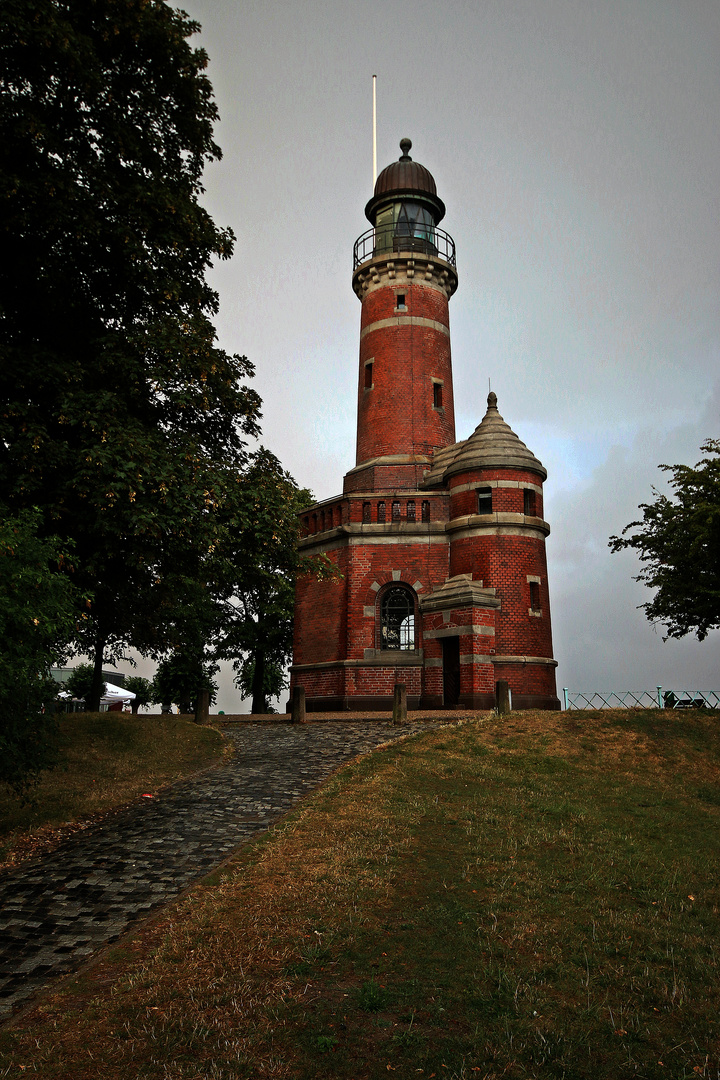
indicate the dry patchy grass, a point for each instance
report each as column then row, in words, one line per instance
column 535, row 897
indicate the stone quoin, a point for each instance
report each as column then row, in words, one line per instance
column 440, row 545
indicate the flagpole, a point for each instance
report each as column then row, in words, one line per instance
column 374, row 131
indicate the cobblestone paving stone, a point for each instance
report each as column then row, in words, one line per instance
column 55, row 911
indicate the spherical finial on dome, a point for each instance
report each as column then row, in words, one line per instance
column 492, row 400
column 405, row 146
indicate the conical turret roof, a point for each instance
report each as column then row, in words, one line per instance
column 493, row 443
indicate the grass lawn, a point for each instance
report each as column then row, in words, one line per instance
column 105, row 760
column 535, row 896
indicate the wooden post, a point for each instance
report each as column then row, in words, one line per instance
column 503, row 701
column 202, row 707
column 297, row 715
column 400, row 704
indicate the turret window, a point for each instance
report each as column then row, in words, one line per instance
column 484, row 497
column 381, row 512
column 529, row 502
column 534, row 596
column 426, row 510
column 366, row 513
column 437, row 395
column 397, row 619
column 396, row 511
column 400, row 304
column 411, row 510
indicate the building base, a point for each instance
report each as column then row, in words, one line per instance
column 479, row 702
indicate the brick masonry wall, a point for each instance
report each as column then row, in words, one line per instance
column 320, row 630
column 396, row 415
column 509, row 500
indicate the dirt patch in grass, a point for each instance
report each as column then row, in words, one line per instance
column 498, row 899
column 106, row 760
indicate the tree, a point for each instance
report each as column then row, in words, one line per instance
column 180, row 676
column 142, row 689
column 678, row 540
column 258, row 561
column 37, row 612
column 120, row 416
column 79, row 683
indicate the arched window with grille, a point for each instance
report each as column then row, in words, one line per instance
column 397, row 618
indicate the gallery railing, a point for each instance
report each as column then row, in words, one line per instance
column 385, row 239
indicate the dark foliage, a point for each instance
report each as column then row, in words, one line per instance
column 36, row 619
column 678, row 540
column 120, row 416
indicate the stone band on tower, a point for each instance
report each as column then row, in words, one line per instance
column 440, row 546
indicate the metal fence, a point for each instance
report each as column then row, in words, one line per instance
column 658, row 698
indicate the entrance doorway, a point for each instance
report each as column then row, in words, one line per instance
column 451, row 670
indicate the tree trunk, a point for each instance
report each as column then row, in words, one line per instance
column 134, row 705
column 258, row 683
column 96, row 691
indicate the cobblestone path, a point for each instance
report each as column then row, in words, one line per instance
column 55, row 911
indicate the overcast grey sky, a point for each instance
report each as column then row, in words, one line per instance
column 575, row 145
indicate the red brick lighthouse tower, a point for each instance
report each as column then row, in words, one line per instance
column 440, row 545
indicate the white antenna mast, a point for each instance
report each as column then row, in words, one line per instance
column 374, row 132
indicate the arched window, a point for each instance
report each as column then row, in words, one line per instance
column 397, row 618
column 411, row 510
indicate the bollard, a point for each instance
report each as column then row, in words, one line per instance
column 202, row 707
column 400, row 704
column 297, row 714
column 503, row 700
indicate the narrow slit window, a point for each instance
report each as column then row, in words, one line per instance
column 534, row 596
column 484, row 497
column 530, row 503
column 411, row 510
column 368, row 376
column 366, row 513
column 400, row 301
column 437, row 395
column 426, row 510
column 381, row 512
column 396, row 511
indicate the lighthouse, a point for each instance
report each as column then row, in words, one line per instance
column 439, row 545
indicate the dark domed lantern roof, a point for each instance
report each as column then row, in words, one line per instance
column 405, row 179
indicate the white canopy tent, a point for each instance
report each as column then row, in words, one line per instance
column 114, row 694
